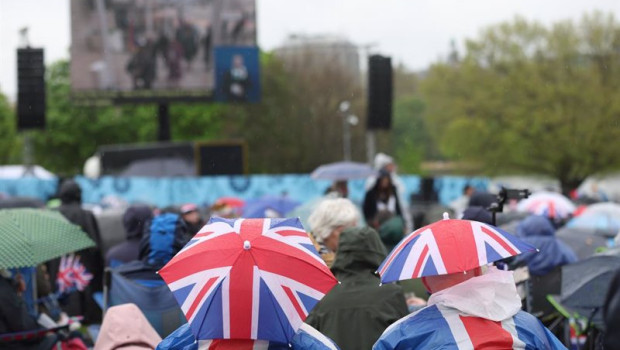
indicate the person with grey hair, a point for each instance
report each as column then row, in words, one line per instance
column 328, row 220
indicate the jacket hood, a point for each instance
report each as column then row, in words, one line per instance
column 359, row 250
column 134, row 219
column 492, row 296
column 124, row 326
column 479, row 214
column 535, row 225
column 70, row 192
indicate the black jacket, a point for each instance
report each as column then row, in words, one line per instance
column 370, row 203
column 82, row 303
column 134, row 221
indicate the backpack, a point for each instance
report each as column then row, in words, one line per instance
column 165, row 236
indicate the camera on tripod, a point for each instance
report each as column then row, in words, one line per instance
column 503, row 196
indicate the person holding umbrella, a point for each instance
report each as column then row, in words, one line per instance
column 472, row 306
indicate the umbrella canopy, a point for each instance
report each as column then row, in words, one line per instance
column 582, row 241
column 248, row 279
column 603, row 218
column 550, row 204
column 259, row 208
column 585, row 284
column 449, row 246
column 232, row 202
column 342, row 171
column 33, row 236
column 21, row 171
column 20, row 202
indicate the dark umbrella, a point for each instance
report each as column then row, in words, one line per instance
column 583, row 242
column 585, row 284
column 20, row 202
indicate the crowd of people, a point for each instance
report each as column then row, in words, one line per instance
column 480, row 308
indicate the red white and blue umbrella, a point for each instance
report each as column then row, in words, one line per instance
column 550, row 204
column 449, row 246
column 248, row 279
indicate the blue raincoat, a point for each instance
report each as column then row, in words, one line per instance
column 539, row 232
column 306, row 338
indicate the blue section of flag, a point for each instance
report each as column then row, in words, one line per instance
column 208, row 323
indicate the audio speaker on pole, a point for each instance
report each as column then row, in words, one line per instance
column 379, row 92
column 30, row 89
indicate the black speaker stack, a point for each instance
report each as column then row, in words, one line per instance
column 379, row 92
column 30, row 89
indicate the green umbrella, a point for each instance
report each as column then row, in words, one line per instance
column 31, row 236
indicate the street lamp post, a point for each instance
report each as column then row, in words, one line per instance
column 348, row 120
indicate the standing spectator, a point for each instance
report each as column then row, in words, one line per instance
column 386, row 163
column 191, row 216
column 356, row 311
column 381, row 197
column 460, row 204
column 134, row 220
column 82, row 303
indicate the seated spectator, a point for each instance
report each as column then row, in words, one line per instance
column 356, row 311
column 134, row 220
column 540, row 232
column 14, row 316
column 306, row 338
column 328, row 220
column 125, row 327
column 164, row 236
column 471, row 310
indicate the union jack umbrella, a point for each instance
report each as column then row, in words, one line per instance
column 550, row 204
column 449, row 246
column 248, row 279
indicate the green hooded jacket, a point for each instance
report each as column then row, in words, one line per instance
column 356, row 312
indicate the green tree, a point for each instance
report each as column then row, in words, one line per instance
column 531, row 99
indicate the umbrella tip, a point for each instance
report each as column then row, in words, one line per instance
column 247, row 245
column 446, row 216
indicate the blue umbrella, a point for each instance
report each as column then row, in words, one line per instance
column 342, row 171
column 601, row 218
column 268, row 206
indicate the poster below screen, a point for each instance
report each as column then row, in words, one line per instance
column 237, row 74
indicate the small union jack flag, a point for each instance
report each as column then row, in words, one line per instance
column 248, row 279
column 449, row 246
column 72, row 274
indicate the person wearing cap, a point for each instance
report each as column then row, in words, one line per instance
column 476, row 309
column 191, row 216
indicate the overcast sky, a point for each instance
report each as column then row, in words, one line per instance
column 414, row 32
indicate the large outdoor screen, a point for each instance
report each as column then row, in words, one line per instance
column 154, row 49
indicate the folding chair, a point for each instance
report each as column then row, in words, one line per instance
column 138, row 283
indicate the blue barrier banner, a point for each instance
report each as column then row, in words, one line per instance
column 206, row 190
